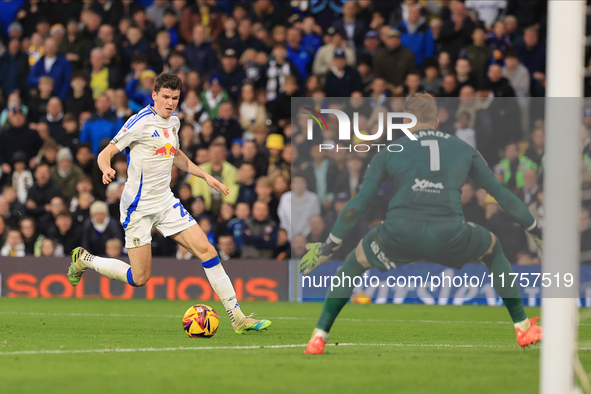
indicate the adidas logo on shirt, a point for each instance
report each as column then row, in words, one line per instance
column 155, row 134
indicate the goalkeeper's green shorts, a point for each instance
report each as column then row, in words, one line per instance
column 400, row 241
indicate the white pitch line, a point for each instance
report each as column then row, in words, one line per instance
column 173, row 349
column 268, row 317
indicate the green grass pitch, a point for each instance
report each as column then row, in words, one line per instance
column 113, row 346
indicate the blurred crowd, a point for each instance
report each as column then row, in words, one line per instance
column 72, row 72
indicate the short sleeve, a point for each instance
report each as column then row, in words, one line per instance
column 130, row 132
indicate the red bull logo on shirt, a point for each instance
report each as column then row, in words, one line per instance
column 167, row 151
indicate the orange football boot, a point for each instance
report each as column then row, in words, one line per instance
column 530, row 336
column 315, row 346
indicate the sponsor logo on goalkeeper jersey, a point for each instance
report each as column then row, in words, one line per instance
column 427, row 186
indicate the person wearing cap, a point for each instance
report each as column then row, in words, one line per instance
column 14, row 68
column 274, row 144
column 66, row 174
column 54, row 65
column 214, row 96
column 99, row 228
column 232, row 74
column 341, row 79
column 371, row 43
column 15, row 30
column 415, row 34
column 393, row 62
column 324, row 56
column 143, row 95
column 200, row 56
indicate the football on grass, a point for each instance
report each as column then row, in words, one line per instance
column 200, row 321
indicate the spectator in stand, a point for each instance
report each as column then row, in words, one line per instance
column 41, row 193
column 479, row 54
column 14, row 68
column 31, row 238
column 514, row 167
column 227, row 248
column 38, row 103
column 351, row 28
column 299, row 55
column 114, row 248
column 54, row 65
column 64, row 232
column 246, row 39
column 498, row 41
column 473, row 212
column 533, row 57
column 516, row 73
column 464, row 74
column 236, row 225
column 535, row 150
column 321, row 175
column 456, row 31
column 99, row 228
column 22, row 178
column 14, row 101
column 213, row 97
column 134, row 44
column 432, row 80
column 232, row 75
column 160, row 52
column 251, row 113
column 371, row 44
column 53, row 118
column 341, row 80
column 529, row 192
column 142, row 95
column 298, row 246
column 155, row 12
column 500, row 86
column 281, row 108
column 66, row 174
column 17, row 137
column 102, row 126
column 46, row 224
column 80, row 97
column 226, row 124
column 299, row 200
column 324, row 56
column 310, row 39
column 74, row 46
column 200, row 56
column 87, row 162
column 219, row 168
column 393, row 62
column 260, row 233
column 318, row 231
column 246, row 180
column 14, row 246
column 102, row 77
column 415, row 34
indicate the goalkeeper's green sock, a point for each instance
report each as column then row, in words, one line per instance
column 498, row 264
column 339, row 296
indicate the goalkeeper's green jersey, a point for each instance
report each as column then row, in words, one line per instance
column 428, row 174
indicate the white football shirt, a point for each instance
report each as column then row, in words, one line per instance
column 150, row 143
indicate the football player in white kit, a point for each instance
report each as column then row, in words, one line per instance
column 150, row 140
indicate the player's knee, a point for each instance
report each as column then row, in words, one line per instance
column 205, row 249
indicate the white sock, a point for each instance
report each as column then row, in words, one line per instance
column 111, row 268
column 320, row 333
column 222, row 285
column 522, row 325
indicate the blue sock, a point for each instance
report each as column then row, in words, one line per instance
column 130, row 278
column 211, row 262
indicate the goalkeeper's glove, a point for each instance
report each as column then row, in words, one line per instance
column 535, row 231
column 319, row 254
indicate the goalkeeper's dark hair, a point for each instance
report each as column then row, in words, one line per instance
column 167, row 81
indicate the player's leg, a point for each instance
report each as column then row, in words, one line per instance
column 137, row 242
column 336, row 298
column 195, row 241
column 499, row 265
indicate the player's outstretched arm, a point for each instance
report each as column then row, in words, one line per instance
column 104, row 162
column 506, row 199
column 185, row 164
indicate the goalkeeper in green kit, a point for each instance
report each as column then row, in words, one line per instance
column 424, row 220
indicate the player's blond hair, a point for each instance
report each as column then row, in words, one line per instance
column 423, row 106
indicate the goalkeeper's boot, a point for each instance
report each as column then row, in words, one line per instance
column 247, row 323
column 317, row 343
column 77, row 266
column 530, row 336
